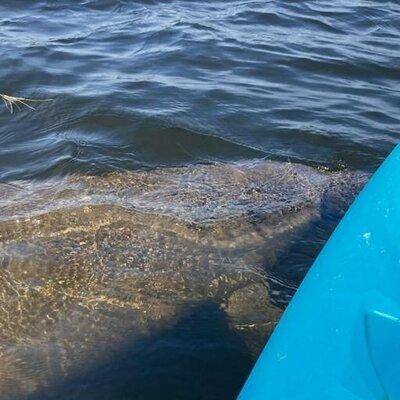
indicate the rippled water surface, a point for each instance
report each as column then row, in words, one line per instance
column 146, row 209
column 155, row 83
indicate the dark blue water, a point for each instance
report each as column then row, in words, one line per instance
column 159, row 83
column 142, row 85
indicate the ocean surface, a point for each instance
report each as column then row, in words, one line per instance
column 169, row 119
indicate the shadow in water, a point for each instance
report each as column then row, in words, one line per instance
column 292, row 265
column 199, row 357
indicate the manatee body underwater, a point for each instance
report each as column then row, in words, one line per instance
column 119, row 286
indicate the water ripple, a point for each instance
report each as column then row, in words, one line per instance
column 314, row 80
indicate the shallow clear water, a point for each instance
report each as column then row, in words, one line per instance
column 151, row 85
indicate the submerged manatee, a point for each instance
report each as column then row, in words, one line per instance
column 92, row 264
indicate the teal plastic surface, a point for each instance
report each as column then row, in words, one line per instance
column 339, row 338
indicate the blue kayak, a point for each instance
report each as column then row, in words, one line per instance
column 339, row 338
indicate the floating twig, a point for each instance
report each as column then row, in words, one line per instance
column 12, row 101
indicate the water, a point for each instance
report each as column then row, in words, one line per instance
column 226, row 92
